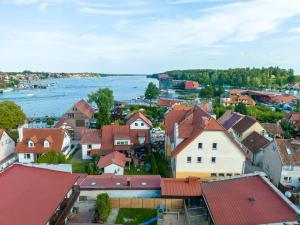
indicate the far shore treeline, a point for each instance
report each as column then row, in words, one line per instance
column 269, row 77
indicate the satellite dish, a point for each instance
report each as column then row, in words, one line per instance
column 288, row 194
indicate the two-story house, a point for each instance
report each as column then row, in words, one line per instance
column 7, row 148
column 200, row 146
column 78, row 117
column 281, row 161
column 33, row 142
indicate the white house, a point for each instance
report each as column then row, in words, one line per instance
column 113, row 163
column 7, row 148
column 90, row 142
column 139, row 121
column 281, row 161
column 200, row 146
column 34, row 142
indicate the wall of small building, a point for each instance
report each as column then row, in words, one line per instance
column 139, row 124
column 292, row 175
column 85, row 149
column 258, row 158
column 115, row 169
column 22, row 159
column 272, row 163
column 229, row 158
column 7, row 146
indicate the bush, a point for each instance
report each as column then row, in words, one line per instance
column 102, row 206
column 52, row 157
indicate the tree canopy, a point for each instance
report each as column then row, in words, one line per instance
column 152, row 92
column 104, row 100
column 238, row 77
column 52, row 157
column 11, row 115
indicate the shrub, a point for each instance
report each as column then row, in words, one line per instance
column 102, row 206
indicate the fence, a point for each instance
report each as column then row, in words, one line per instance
column 150, row 203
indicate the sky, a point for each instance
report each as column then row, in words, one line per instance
column 148, row 36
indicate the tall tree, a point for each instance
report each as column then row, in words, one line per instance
column 11, row 115
column 104, row 100
column 152, row 92
column 241, row 108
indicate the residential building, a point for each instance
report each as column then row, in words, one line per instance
column 90, row 142
column 191, row 85
column 167, row 102
column 7, row 148
column 273, row 129
column 78, row 117
column 113, row 163
column 199, row 146
column 236, row 99
column 33, row 142
column 281, row 161
column 36, row 196
column 247, row 200
column 294, row 118
column 254, row 145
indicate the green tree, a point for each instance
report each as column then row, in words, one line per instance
column 50, row 122
column 241, row 108
column 297, row 106
column 11, row 115
column 152, row 92
column 104, row 100
column 52, row 157
column 103, row 207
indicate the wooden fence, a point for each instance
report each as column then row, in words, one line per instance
column 150, row 203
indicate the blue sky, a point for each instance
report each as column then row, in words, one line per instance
column 148, row 36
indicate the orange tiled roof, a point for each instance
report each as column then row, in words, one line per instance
column 167, row 102
column 113, row 158
column 109, row 132
column 181, row 187
column 84, row 107
column 138, row 115
column 191, row 85
column 90, row 136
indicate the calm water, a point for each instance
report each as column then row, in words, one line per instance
column 57, row 99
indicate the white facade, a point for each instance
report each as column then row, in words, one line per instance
column 139, row 124
column 115, row 169
column 87, row 147
column 26, row 157
column 226, row 159
column 7, row 146
column 279, row 173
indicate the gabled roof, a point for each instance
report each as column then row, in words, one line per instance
column 254, row 142
column 289, row 151
column 110, row 132
column 31, row 195
column 229, row 119
column 244, row 124
column 90, row 136
column 191, row 84
column 272, row 128
column 181, row 187
column 167, row 102
column 84, row 107
column 293, row 116
column 245, row 99
column 246, row 200
column 38, row 136
column 138, row 115
column 116, row 158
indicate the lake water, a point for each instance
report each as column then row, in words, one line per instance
column 57, row 99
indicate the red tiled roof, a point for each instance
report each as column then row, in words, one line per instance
column 38, row 136
column 289, row 151
column 282, row 99
column 116, row 158
column 31, row 195
column 254, row 142
column 191, row 84
column 244, row 124
column 167, row 102
column 90, row 136
column 63, row 120
column 138, row 115
column 273, row 128
column 119, row 182
column 181, row 187
column 235, row 99
column 207, row 108
column 293, row 116
column 136, row 133
column 84, row 107
column 245, row 201
column 109, row 132
column 237, row 91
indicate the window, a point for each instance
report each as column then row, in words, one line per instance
column 287, row 179
column 26, row 156
column 82, row 198
column 122, row 143
column 236, row 174
column 199, row 159
column 213, row 159
column 221, row 174
column 229, row 174
column 142, row 124
column 214, row 146
column 136, row 124
column 89, row 146
column 213, row 174
column 200, row 145
column 46, row 144
column 189, row 159
column 30, row 144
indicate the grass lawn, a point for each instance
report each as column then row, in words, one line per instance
column 79, row 167
column 135, row 216
column 139, row 170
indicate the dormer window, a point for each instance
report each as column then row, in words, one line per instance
column 46, row 144
column 30, row 144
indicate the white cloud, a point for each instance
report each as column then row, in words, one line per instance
column 114, row 12
column 294, row 30
column 43, row 7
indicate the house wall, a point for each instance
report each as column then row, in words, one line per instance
column 7, row 146
column 113, row 168
column 22, row 159
column 229, row 158
column 255, row 127
column 139, row 125
column 258, row 158
column 293, row 173
column 85, row 149
column 272, row 163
